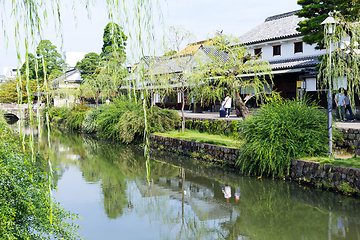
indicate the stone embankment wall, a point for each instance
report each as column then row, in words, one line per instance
column 223, row 156
column 342, row 179
column 350, row 141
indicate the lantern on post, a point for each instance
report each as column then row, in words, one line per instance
column 329, row 29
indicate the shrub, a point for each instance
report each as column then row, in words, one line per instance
column 75, row 116
column 124, row 121
column 279, row 132
column 25, row 204
column 89, row 124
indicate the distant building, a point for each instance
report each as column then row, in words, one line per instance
column 2, row 79
column 71, row 58
column 64, row 86
column 10, row 72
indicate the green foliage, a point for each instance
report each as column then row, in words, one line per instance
column 114, row 40
column 46, row 55
column 279, row 132
column 9, row 94
column 219, row 127
column 90, row 125
column 122, row 120
column 25, row 206
column 76, row 116
column 88, row 64
column 196, row 136
column 316, row 11
column 125, row 121
column 218, row 70
column 72, row 117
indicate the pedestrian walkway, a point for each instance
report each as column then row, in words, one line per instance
column 216, row 115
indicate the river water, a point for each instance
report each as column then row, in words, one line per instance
column 119, row 195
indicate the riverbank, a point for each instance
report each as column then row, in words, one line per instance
column 326, row 176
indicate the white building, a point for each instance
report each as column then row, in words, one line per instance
column 293, row 61
column 64, row 87
column 9, row 72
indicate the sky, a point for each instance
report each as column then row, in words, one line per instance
column 203, row 18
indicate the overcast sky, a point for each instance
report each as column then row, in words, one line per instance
column 201, row 17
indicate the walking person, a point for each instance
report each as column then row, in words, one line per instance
column 348, row 106
column 227, row 105
column 340, row 104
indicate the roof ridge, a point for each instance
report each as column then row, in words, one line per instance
column 296, row 58
column 279, row 16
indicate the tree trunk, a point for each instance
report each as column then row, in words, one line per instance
column 182, row 108
column 241, row 105
column 97, row 98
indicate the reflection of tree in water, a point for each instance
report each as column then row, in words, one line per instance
column 114, row 164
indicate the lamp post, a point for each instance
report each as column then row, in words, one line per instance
column 66, row 82
column 129, row 68
column 329, row 29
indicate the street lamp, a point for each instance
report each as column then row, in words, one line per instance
column 129, row 68
column 329, row 29
column 66, row 82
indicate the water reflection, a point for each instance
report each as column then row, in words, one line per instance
column 106, row 184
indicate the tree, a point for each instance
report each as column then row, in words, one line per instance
column 105, row 81
column 114, row 41
column 224, row 66
column 46, row 55
column 88, row 64
column 177, row 65
column 9, row 92
column 316, row 11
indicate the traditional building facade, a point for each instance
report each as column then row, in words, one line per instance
column 292, row 61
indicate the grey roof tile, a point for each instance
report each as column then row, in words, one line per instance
column 275, row 27
column 309, row 61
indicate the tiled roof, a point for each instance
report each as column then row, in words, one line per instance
column 310, row 61
column 276, row 27
column 68, row 74
column 172, row 64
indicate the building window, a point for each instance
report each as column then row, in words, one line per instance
column 298, row 47
column 277, row 50
column 257, row 51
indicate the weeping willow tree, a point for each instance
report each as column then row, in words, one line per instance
column 30, row 18
column 342, row 69
column 224, row 66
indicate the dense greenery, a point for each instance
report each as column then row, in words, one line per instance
column 88, row 65
column 316, row 11
column 9, row 94
column 46, row 56
column 114, row 40
column 219, row 127
column 279, row 132
column 122, row 120
column 26, row 209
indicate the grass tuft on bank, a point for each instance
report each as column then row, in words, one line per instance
column 196, row 136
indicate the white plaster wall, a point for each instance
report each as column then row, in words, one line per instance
column 287, row 49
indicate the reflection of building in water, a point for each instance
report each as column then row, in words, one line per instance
column 202, row 199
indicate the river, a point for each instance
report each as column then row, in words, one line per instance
column 118, row 195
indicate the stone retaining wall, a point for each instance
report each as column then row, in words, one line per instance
column 342, row 179
column 350, row 141
column 223, row 156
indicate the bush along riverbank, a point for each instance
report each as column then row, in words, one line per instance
column 27, row 210
column 120, row 120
